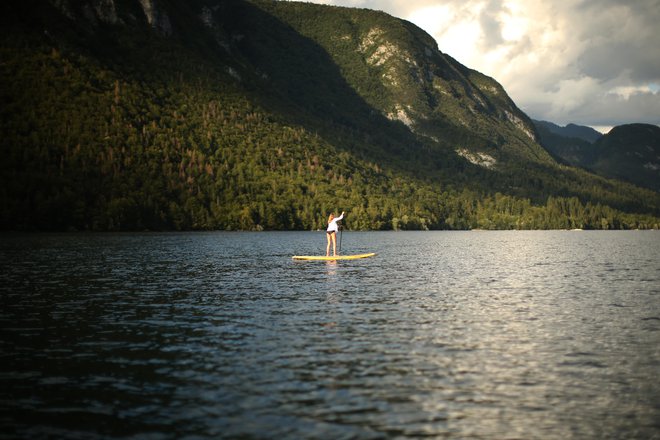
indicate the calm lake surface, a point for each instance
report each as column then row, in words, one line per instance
column 492, row 335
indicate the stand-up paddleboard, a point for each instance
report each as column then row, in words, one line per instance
column 336, row 257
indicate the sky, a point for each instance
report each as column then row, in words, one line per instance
column 587, row 62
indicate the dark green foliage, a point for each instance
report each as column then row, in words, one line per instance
column 262, row 121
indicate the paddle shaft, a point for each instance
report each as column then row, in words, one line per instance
column 340, row 231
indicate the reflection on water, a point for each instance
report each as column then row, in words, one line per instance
column 331, row 267
column 222, row 335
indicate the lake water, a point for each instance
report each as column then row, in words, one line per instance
column 492, row 335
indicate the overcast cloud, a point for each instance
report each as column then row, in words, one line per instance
column 590, row 62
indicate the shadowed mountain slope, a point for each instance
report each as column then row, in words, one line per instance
column 127, row 114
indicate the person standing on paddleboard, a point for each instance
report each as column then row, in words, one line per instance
column 331, row 233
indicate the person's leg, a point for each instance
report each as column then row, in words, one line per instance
column 334, row 244
column 327, row 249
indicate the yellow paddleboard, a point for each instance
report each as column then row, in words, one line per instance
column 337, row 257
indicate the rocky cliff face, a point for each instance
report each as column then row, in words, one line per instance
column 107, row 11
column 398, row 69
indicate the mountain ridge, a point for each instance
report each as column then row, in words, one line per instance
column 571, row 130
column 629, row 152
column 252, row 115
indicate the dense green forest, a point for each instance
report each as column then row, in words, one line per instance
column 111, row 127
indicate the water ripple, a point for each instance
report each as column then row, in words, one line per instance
column 220, row 335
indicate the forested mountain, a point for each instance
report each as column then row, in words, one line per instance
column 572, row 131
column 629, row 152
column 571, row 147
column 236, row 114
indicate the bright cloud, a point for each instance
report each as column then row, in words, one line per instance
column 449, row 26
column 591, row 62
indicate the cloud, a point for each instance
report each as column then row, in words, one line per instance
column 591, row 62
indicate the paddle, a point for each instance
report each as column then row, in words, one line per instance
column 341, row 229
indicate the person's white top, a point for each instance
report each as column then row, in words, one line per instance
column 332, row 226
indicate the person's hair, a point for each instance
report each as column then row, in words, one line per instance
column 331, row 217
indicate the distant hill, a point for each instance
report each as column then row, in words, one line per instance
column 630, row 152
column 569, row 146
column 252, row 115
column 573, row 131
